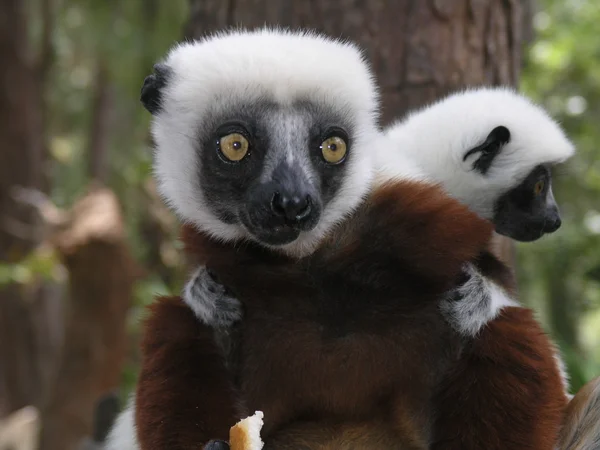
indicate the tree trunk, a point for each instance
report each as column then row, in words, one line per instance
column 99, row 135
column 420, row 50
column 22, row 374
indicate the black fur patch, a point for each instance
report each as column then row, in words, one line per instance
column 490, row 148
column 217, row 445
column 151, row 93
column 523, row 214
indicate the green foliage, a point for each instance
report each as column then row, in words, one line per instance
column 559, row 274
column 41, row 264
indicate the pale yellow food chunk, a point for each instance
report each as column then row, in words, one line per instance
column 245, row 435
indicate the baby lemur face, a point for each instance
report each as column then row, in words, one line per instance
column 273, row 169
column 528, row 211
column 492, row 149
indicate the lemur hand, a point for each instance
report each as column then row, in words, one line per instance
column 468, row 307
column 210, row 300
column 216, row 445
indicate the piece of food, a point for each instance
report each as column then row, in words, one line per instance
column 245, row 435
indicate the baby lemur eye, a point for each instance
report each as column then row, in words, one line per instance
column 334, row 149
column 234, row 147
column 539, row 187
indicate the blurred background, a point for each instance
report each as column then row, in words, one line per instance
column 85, row 242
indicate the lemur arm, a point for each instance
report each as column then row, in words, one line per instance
column 468, row 307
column 211, row 302
column 507, row 392
column 185, row 394
column 474, row 302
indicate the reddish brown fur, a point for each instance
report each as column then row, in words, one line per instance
column 350, row 338
column 415, row 223
column 506, row 392
column 184, row 392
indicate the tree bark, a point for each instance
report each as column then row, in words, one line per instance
column 21, row 164
column 420, row 49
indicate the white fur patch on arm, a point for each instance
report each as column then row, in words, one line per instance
column 470, row 306
column 210, row 301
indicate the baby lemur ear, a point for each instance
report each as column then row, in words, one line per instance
column 490, row 148
column 152, row 88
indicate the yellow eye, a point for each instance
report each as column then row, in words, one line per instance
column 334, row 150
column 538, row 188
column 234, row 146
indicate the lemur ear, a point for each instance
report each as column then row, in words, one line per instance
column 491, row 147
column 152, row 88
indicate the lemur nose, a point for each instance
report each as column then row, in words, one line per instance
column 553, row 225
column 294, row 208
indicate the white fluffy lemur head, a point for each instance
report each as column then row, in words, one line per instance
column 263, row 135
column 492, row 149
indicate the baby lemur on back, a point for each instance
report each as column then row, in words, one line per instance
column 263, row 140
column 501, row 172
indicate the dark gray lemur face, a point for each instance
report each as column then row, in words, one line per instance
column 283, row 183
column 528, row 211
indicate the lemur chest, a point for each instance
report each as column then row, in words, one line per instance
column 339, row 362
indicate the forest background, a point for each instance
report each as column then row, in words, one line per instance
column 86, row 243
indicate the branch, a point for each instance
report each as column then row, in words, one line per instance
column 48, row 218
column 41, row 203
column 20, row 430
column 22, row 230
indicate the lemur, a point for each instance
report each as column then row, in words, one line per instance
column 281, row 116
column 493, row 150
column 513, row 191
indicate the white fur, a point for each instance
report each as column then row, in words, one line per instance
column 203, row 311
column 438, row 136
column 562, row 368
column 122, row 435
column 209, row 300
column 391, row 164
column 282, row 66
column 481, row 300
